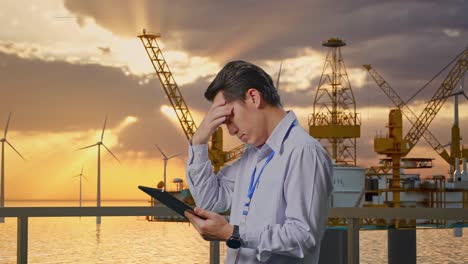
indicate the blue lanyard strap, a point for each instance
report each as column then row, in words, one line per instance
column 253, row 185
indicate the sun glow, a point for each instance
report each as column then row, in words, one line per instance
column 169, row 112
column 125, row 123
column 52, row 159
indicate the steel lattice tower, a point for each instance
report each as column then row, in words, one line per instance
column 334, row 121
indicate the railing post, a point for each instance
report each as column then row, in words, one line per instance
column 22, row 243
column 353, row 240
column 214, row 252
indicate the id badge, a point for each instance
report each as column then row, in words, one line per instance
column 245, row 213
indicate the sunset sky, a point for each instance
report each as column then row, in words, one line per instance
column 65, row 65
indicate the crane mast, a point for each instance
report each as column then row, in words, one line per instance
column 216, row 154
column 334, row 121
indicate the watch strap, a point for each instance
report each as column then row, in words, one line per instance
column 235, row 231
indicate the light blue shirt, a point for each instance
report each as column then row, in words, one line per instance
column 289, row 208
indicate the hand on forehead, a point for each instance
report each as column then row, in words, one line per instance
column 219, row 98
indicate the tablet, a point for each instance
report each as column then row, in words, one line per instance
column 168, row 200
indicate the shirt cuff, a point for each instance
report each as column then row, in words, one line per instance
column 198, row 153
column 248, row 240
column 251, row 240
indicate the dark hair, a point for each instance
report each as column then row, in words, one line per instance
column 237, row 77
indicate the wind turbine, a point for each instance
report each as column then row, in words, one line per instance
column 81, row 175
column 165, row 158
column 99, row 144
column 4, row 140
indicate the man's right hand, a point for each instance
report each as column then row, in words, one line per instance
column 215, row 117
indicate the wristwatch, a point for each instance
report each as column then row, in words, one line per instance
column 234, row 241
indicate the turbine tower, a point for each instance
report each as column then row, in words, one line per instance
column 334, row 121
column 99, row 144
column 165, row 158
column 81, row 175
column 4, row 140
column 456, row 152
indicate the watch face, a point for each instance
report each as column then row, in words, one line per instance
column 233, row 242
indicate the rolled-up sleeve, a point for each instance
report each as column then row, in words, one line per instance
column 210, row 191
column 307, row 188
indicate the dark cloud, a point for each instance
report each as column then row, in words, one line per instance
column 62, row 97
column 194, row 92
column 255, row 30
column 404, row 40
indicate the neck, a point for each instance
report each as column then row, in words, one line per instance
column 272, row 118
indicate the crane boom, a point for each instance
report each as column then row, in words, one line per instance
column 439, row 98
column 168, row 83
column 170, row 87
column 407, row 112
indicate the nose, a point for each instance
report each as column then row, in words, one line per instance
column 232, row 128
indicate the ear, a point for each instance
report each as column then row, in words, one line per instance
column 254, row 97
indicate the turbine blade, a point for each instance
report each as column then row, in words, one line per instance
column 279, row 76
column 111, row 152
column 87, row 147
column 104, row 128
column 15, row 150
column 466, row 97
column 81, row 170
column 174, row 156
column 85, row 178
column 7, row 124
column 162, row 153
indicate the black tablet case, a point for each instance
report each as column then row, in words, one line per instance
column 170, row 201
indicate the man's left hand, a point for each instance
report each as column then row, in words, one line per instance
column 213, row 227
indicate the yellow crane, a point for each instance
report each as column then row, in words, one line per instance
column 406, row 111
column 395, row 146
column 216, row 154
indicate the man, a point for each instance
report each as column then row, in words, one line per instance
column 277, row 190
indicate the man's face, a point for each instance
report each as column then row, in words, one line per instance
column 242, row 120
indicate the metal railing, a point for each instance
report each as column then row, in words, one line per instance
column 351, row 214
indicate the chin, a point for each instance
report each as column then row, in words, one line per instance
column 256, row 144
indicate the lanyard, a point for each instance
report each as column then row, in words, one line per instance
column 253, row 183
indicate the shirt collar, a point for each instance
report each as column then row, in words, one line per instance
column 281, row 131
